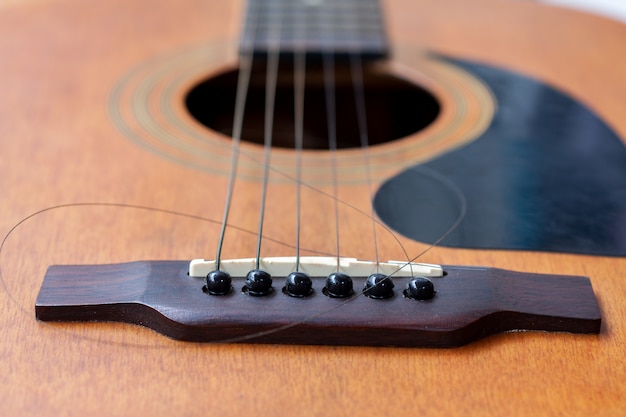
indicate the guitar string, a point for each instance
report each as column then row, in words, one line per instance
column 299, row 85
column 356, row 70
column 271, row 74
column 329, row 89
column 243, row 82
column 331, row 120
column 367, row 214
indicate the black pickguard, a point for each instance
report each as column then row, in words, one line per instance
column 548, row 175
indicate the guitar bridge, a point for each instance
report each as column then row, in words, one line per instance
column 469, row 303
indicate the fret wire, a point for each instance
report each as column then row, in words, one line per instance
column 356, row 26
column 286, row 22
column 269, row 15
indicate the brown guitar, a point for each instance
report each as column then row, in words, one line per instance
column 116, row 126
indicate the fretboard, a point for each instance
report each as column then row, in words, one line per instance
column 315, row 27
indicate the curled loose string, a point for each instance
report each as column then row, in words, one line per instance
column 419, row 170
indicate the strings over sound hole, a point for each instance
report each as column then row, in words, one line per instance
column 394, row 108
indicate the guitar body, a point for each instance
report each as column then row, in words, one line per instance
column 73, row 130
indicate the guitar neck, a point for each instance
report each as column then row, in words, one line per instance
column 314, row 27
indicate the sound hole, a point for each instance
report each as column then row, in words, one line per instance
column 395, row 108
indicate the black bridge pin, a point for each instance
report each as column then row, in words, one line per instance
column 258, row 283
column 298, row 284
column 338, row 285
column 420, row 288
column 218, row 283
column 378, row 286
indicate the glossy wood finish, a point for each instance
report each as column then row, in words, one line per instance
column 469, row 304
column 60, row 61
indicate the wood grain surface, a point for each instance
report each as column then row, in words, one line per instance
column 60, row 62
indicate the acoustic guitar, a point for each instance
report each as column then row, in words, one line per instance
column 493, row 139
